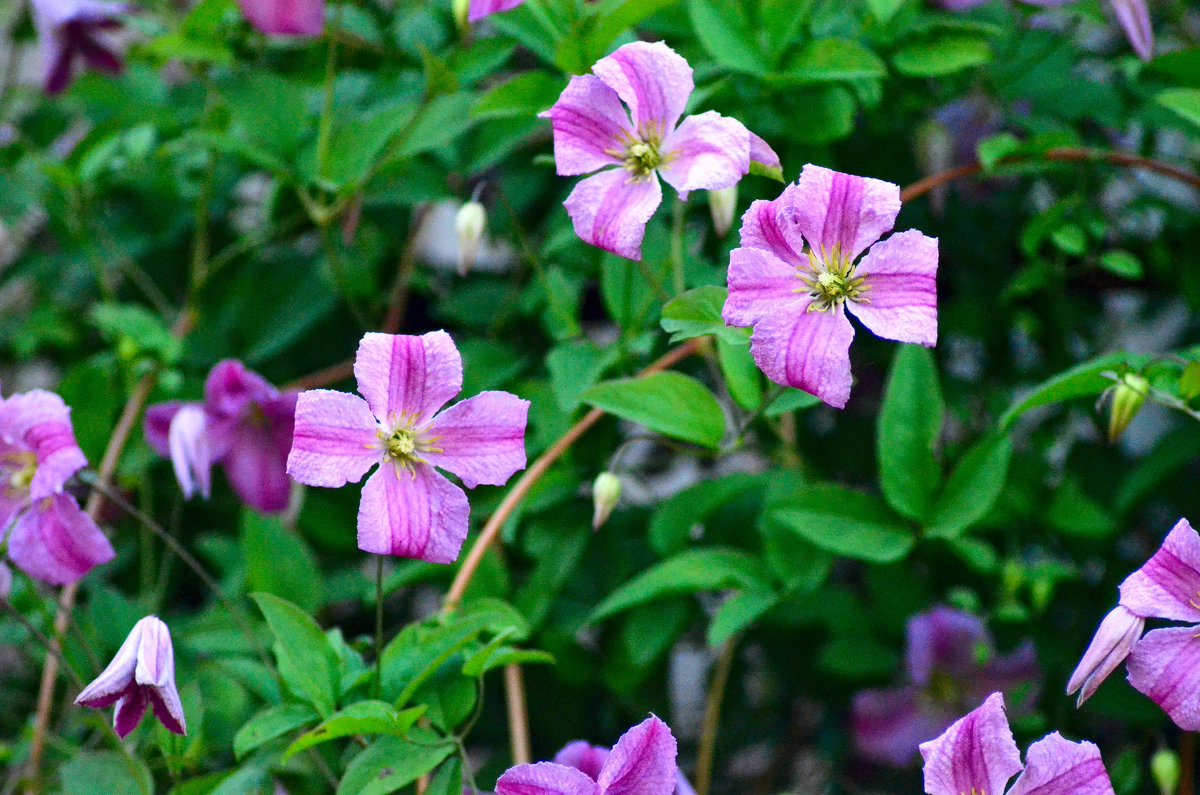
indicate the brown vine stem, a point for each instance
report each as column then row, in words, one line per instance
column 518, row 716
column 707, row 752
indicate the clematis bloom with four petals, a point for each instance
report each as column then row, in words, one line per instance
column 798, row 272
column 408, row 508
column 632, row 145
column 70, row 29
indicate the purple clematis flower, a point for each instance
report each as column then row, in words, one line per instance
column 1132, row 15
column 796, row 298
column 641, row 763
column 592, row 131
column 951, row 663
column 244, row 423
column 69, row 28
column 590, row 759
column 407, row 507
column 285, row 17
column 141, row 675
column 977, row 755
column 478, row 9
column 49, row 536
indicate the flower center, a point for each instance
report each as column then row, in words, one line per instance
column 829, row 278
column 20, row 467
column 640, row 153
column 404, row 442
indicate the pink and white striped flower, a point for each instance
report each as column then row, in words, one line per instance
column 798, row 271
column 632, row 145
column 408, row 508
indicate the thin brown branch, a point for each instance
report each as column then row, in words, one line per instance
column 518, row 715
column 712, row 717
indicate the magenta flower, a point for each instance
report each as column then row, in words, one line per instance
column 141, row 675
column 796, row 298
column 590, row 759
column 285, row 17
column 49, row 536
column 977, row 755
column 244, row 424
column 951, row 663
column 592, row 131
column 478, row 9
column 1115, row 638
column 407, row 507
column 641, row 763
column 70, row 28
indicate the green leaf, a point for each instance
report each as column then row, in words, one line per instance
column 358, row 143
column 390, row 763
column 884, row 10
column 943, row 54
column 725, row 32
column 908, row 428
column 527, row 94
column 697, row 313
column 1181, row 67
column 1122, row 263
column 272, row 722
column 279, row 562
column 267, row 111
column 742, row 376
column 674, row 517
column 844, row 522
column 972, row 489
column 707, row 569
column 1184, row 102
column 669, row 403
column 439, row 123
column 361, row 717
column 738, row 612
column 135, row 324
column 833, row 60
column 1073, row 512
column 857, row 656
column 1082, row 380
column 105, row 773
column 995, row 148
column 307, row 661
column 792, row 399
column 617, row 16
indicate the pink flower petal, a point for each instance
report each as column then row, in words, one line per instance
column 1168, row 585
column 839, row 209
column 1055, row 766
column 40, row 421
column 482, row 439
column 642, row 762
column 583, row 756
column 157, row 425
column 890, row 724
column 945, row 640
column 765, row 227
column 901, row 303
column 155, row 672
column 807, row 350
column 482, row 8
column 545, row 778
column 285, row 17
column 416, row 514
column 191, row 457
column 1165, row 665
column 405, row 374
column 130, row 709
column 976, row 754
column 1134, row 17
column 652, row 79
column 707, row 151
column 610, row 210
column 335, row 440
column 762, row 154
column 256, row 466
column 117, row 677
column 588, row 122
column 760, row 284
column 230, row 388
column 1117, row 634
column 56, row 542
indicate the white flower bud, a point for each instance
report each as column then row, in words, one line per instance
column 605, row 493
column 470, row 223
column 723, row 204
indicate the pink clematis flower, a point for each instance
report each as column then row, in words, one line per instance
column 796, row 298
column 977, row 755
column 141, row 675
column 590, row 759
column 1132, row 15
column 641, row 763
column 244, row 424
column 49, row 536
column 70, row 28
column 407, row 507
column 592, row 131
column 285, row 17
column 478, row 9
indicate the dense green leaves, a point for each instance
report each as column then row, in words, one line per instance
column 670, row 403
column 306, row 659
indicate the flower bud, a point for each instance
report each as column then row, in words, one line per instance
column 470, row 223
column 187, row 441
column 462, row 11
column 1125, row 400
column 723, row 204
column 605, row 493
column 1166, row 770
column 1189, row 381
column 1114, row 639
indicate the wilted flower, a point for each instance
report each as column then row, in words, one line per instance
column 407, row 507
column 478, row 9
column 977, row 755
column 244, row 424
column 141, row 675
column 70, row 28
column 642, row 763
column 592, row 131
column 49, row 536
column 951, row 662
column 796, row 298
column 285, row 17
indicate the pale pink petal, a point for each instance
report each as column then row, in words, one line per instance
column 482, row 439
column 760, row 284
column 1165, row 665
column 1168, row 585
column 157, row 425
column 642, row 762
column 706, row 152
column 187, row 442
column 1054, row 766
column 610, row 210
column 41, row 422
column 130, row 709
column 56, row 542
column 117, row 677
column 412, row 514
column 545, row 778
column 768, row 226
column 901, row 302
column 155, row 671
column 335, row 440
column 406, row 374
column 583, row 756
column 285, row 17
column 836, row 209
column 482, row 8
column 1119, row 630
column 807, row 350
column 653, row 80
column 976, row 754
column 589, row 123
column 1134, row 17
column 762, row 154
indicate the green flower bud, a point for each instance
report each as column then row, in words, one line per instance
column 723, row 205
column 1166, row 770
column 461, row 9
column 605, row 493
column 1125, row 399
column 470, row 224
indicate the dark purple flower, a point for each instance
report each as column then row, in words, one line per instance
column 951, row 662
column 244, row 424
column 67, row 28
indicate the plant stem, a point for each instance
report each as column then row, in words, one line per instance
column 712, row 717
column 518, row 717
column 677, row 218
column 325, row 125
column 1187, row 764
column 379, row 626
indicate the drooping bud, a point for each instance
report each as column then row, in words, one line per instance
column 605, row 493
column 723, row 204
column 1114, row 639
column 1125, row 400
column 1189, row 381
column 470, row 224
column 191, row 457
column 1166, row 770
column 462, row 10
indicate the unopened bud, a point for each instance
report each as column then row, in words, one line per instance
column 723, row 204
column 470, row 223
column 1126, row 399
column 605, row 493
column 462, row 10
column 1166, row 770
column 1189, row 382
